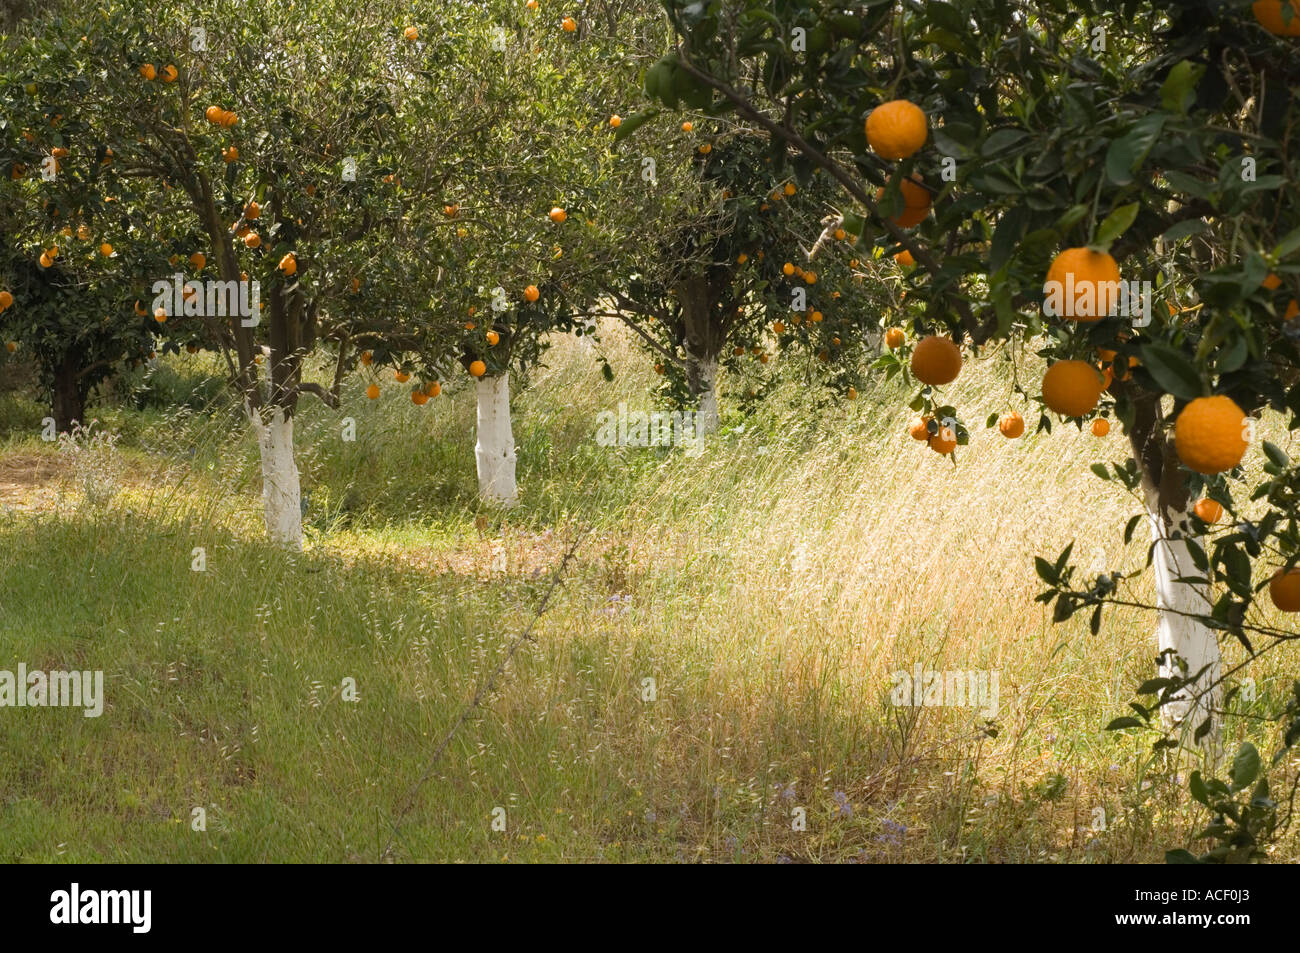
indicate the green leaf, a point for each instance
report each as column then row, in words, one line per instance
column 1193, row 226
column 1180, row 856
column 1178, row 91
column 1130, row 150
column 1100, row 470
column 1172, row 371
column 1116, row 224
column 1128, row 721
column 631, row 124
column 1245, row 766
column 1131, row 528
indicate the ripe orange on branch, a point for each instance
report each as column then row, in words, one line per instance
column 477, row 369
column 936, row 360
column 289, row 264
column 1208, row 510
column 894, row 338
column 1284, row 590
column 1210, row 434
column 148, row 71
column 557, row 215
column 896, row 129
column 1072, row 388
column 1269, row 15
column 916, row 202
column 1100, row 427
column 1011, row 425
column 1082, row 284
column 919, row 429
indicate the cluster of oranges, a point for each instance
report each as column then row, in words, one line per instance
column 220, row 117
column 169, row 73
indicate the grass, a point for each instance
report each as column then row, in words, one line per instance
column 715, row 665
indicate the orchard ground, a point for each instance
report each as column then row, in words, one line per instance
column 769, row 586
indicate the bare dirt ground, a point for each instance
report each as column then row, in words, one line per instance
column 30, row 482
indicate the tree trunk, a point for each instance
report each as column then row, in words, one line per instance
column 1168, row 506
column 701, row 377
column 494, row 450
column 704, row 336
column 281, row 496
column 67, row 400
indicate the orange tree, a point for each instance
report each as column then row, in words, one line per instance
column 1064, row 149
column 279, row 129
column 750, row 266
column 76, row 261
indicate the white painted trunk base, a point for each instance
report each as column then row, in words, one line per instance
column 704, row 373
column 494, row 450
column 281, row 496
column 1191, row 640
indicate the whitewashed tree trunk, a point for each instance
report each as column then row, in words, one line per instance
column 1192, row 641
column 494, row 450
column 702, row 378
column 281, row 495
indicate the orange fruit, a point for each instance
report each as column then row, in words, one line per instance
column 787, row 269
column 569, row 25
column 147, row 71
column 492, row 338
column 434, row 389
column 1082, row 284
column 1100, row 427
column 477, row 369
column 1072, row 388
column 11, row 346
column 531, row 293
column 531, row 4
column 83, row 232
column 741, row 258
column 6, row 299
column 778, row 327
column 419, row 398
column 705, row 149
column 790, row 188
column 557, row 215
column 213, row 114
column 367, row 358
column 894, row 338
column 659, row 368
column 905, row 258
column 1208, row 510
column 853, row 393
column 372, row 391
column 916, row 202
column 252, row 239
column 411, row 33
column 169, row 73
column 356, row 285
column 401, row 376
column 1271, row 281
column 1269, row 15
column 615, row 121
column 1284, row 590
column 1210, row 434
column 896, row 129
column 106, row 249
column 252, row 211
column 451, row 211
column 810, row 277
column 815, row 317
column 1011, row 425
column 1292, row 310
column 945, row 441
column 918, row 429
column 160, row 315
column 59, row 152
column 687, row 126
column 936, row 360
column 289, row 264
column 198, row 260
